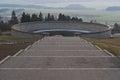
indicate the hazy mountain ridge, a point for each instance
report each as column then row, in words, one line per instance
column 22, row 6
column 78, row 7
column 71, row 6
column 113, row 8
column 3, row 10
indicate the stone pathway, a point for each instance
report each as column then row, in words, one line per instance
column 61, row 58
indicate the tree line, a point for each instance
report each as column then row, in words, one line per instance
column 61, row 17
column 6, row 26
column 116, row 28
column 50, row 17
column 34, row 17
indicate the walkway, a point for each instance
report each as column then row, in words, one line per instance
column 61, row 58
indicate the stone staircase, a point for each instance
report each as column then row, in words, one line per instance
column 61, row 58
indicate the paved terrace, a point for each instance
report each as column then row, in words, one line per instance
column 31, row 26
column 61, row 58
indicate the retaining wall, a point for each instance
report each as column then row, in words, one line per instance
column 96, row 30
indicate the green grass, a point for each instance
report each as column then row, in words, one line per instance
column 6, row 38
column 11, row 49
column 112, row 45
column 9, row 38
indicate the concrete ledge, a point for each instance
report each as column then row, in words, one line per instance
column 34, row 43
column 96, row 30
column 18, row 52
column 56, row 69
column 91, row 44
column 98, row 47
column 6, row 58
column 108, row 52
column 64, row 56
column 27, row 48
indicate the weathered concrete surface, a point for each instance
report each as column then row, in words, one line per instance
column 31, row 26
column 63, row 46
column 61, row 58
column 63, row 53
column 36, row 29
column 44, row 74
column 62, row 62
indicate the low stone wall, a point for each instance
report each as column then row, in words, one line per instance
column 97, row 30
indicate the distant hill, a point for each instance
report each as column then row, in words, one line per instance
column 19, row 10
column 72, row 6
column 78, row 7
column 113, row 8
column 4, row 10
column 23, row 6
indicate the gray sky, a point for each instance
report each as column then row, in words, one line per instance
column 61, row 3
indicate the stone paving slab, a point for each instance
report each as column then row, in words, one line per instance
column 63, row 43
column 36, row 74
column 63, row 39
column 62, row 62
column 63, row 53
column 62, row 47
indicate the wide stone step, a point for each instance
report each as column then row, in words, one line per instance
column 62, row 39
column 61, row 58
column 63, row 43
column 63, row 47
column 62, row 62
column 63, row 53
column 38, row 74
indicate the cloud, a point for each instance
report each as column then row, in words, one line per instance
column 57, row 1
column 53, row 1
column 43, row 1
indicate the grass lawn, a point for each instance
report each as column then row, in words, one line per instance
column 112, row 44
column 6, row 50
column 11, row 49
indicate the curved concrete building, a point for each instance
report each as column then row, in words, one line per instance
column 84, row 29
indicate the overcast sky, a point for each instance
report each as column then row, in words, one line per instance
column 62, row 3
